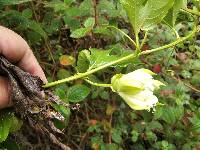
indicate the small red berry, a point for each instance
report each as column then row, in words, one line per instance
column 157, row 68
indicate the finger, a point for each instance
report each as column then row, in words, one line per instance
column 15, row 49
column 29, row 63
column 4, row 93
column 12, row 45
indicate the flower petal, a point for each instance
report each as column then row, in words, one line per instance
column 140, row 75
column 140, row 101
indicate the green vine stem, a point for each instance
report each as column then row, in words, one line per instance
column 131, row 56
column 180, row 40
column 97, row 84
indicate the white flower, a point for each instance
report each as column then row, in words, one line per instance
column 136, row 88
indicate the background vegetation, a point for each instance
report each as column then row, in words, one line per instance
column 58, row 31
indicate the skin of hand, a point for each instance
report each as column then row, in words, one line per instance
column 16, row 50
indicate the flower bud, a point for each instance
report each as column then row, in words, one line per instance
column 136, row 88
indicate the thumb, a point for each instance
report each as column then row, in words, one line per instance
column 4, row 93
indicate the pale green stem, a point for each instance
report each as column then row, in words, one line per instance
column 122, row 32
column 197, row 13
column 144, row 40
column 176, row 33
column 137, row 43
column 81, row 75
column 173, row 29
column 131, row 56
column 98, row 84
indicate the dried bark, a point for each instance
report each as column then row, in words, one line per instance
column 30, row 104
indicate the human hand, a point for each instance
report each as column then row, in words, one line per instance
column 16, row 50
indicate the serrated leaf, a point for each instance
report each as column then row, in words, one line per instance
column 79, row 33
column 102, row 30
column 57, row 5
column 155, row 11
column 8, row 123
column 171, row 17
column 77, row 93
column 36, row 27
column 13, row 2
column 171, row 114
column 86, row 8
column 100, row 57
column 61, row 93
column 68, row 2
column 5, row 125
column 27, row 13
column 195, row 127
column 89, row 23
column 155, row 125
column 18, row 19
column 65, row 112
column 116, row 136
column 133, row 9
column 63, row 73
column 83, row 61
column 89, row 59
column 195, row 79
column 135, row 135
column 144, row 14
column 71, row 22
column 108, row 7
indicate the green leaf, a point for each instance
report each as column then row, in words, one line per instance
column 77, row 93
column 17, row 18
column 61, row 93
column 83, row 61
column 102, row 30
column 27, row 13
column 8, row 123
column 170, row 114
column 151, row 136
column 171, row 17
column 195, row 79
column 155, row 11
column 57, row 5
column 89, row 23
column 13, row 2
column 133, row 9
column 109, row 8
column 9, row 144
column 155, row 125
column 68, row 2
column 63, row 73
column 116, row 136
column 145, row 14
column 195, row 127
column 79, row 33
column 64, row 111
column 100, row 57
column 71, row 23
column 194, row 64
column 135, row 135
column 36, row 27
column 5, row 125
column 86, row 8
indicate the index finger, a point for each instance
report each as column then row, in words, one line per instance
column 15, row 49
